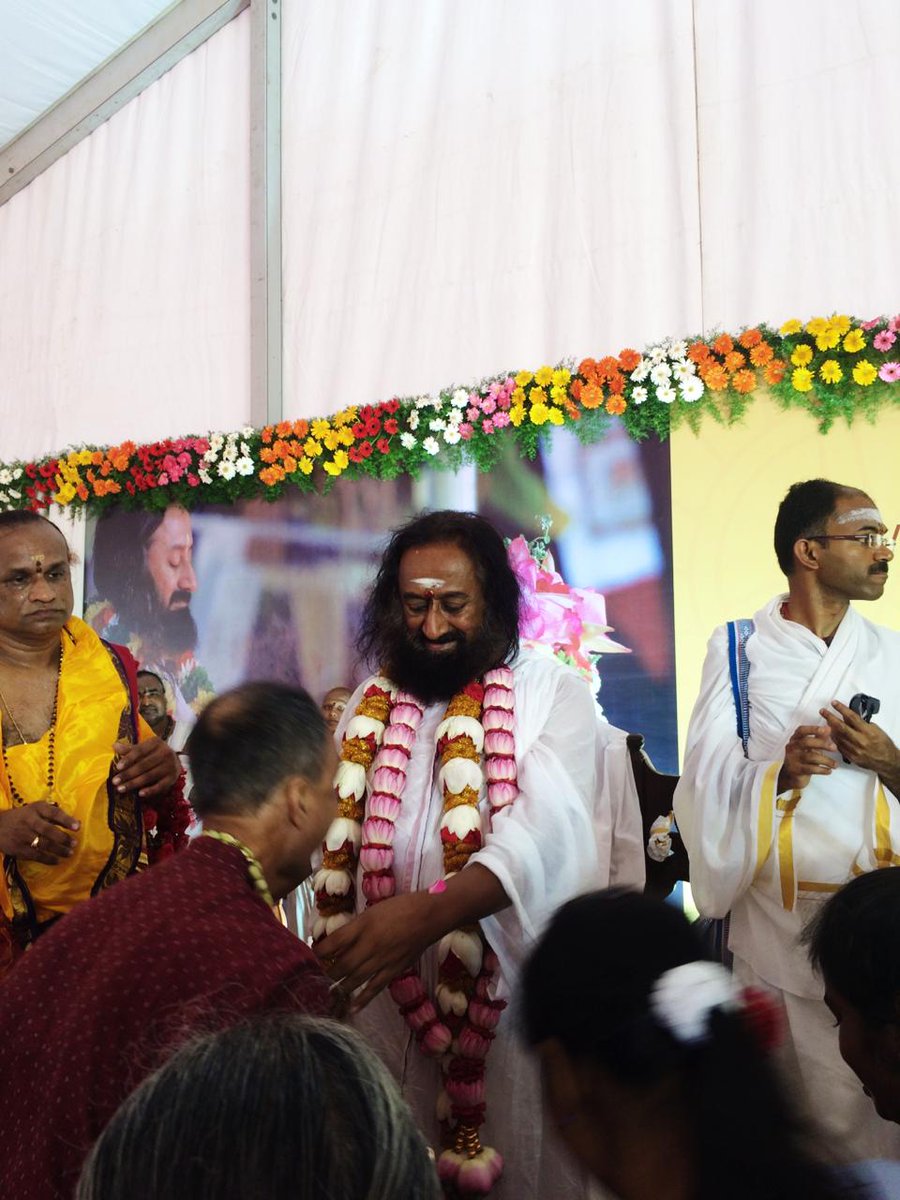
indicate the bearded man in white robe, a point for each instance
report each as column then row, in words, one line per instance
column 813, row 801
column 443, row 612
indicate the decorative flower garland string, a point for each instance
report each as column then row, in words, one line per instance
column 479, row 720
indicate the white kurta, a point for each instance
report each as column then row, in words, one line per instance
column 772, row 860
column 543, row 851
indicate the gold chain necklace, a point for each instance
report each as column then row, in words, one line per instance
column 254, row 867
column 17, row 796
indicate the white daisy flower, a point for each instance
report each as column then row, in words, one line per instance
column 5, row 476
column 692, row 389
column 248, row 431
column 666, row 394
column 641, row 371
column 413, row 421
column 678, row 349
column 226, row 469
column 451, row 436
column 407, row 441
column 437, row 424
column 430, row 445
column 205, row 476
column 244, row 465
column 638, row 395
column 683, row 371
column 661, row 374
column 460, row 398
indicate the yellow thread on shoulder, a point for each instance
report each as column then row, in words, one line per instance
column 786, row 849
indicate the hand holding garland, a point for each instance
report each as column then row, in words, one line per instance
column 149, row 768
column 386, row 939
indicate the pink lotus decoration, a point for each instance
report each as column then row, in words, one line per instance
column 571, row 622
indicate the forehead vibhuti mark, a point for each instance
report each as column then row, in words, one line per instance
column 870, row 515
column 429, row 584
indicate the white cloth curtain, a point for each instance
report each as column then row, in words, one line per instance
column 124, row 269
column 468, row 187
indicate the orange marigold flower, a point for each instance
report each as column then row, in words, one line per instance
column 750, row 338
column 715, row 377
column 82, row 492
column 698, row 352
column 615, row 405
column 617, row 384
column 283, row 429
column 592, row 396
column 266, row 435
column 120, row 462
column 97, row 458
column 723, row 344
column 267, row 454
column 774, row 372
column 761, row 354
column 608, row 367
column 572, row 411
column 301, row 428
column 587, row 367
column 734, row 360
column 271, row 475
column 575, row 389
column 628, row 360
column 290, row 464
column 743, row 381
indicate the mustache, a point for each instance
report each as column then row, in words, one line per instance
column 880, row 568
column 450, row 638
column 180, row 597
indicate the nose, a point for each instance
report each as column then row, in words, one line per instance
column 187, row 580
column 435, row 624
column 41, row 590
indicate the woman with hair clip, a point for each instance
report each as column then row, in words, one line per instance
column 654, row 1060
column 288, row 1107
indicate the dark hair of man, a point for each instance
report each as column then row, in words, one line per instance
column 247, row 741
column 803, row 512
column 854, row 942
column 153, row 675
column 383, row 625
column 121, row 539
column 589, row 983
column 334, row 1123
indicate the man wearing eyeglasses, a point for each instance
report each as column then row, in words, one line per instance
column 788, row 790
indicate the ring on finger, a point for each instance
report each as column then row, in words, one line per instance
column 35, row 841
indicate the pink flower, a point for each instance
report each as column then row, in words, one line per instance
column 478, row 1175
column 393, row 757
column 884, row 340
column 377, row 832
column 465, row 431
column 499, row 741
column 466, row 1092
column 489, row 405
column 384, row 806
column 867, row 325
column 473, row 1044
column 163, row 479
column 472, row 413
column 399, row 738
column 501, row 420
column 406, row 714
column 378, row 887
column 484, row 1015
column 894, row 324
column 487, row 425
column 498, row 718
column 502, row 793
column 194, row 480
column 435, row 1042
column 497, row 696
column 501, row 770
column 376, row 858
column 449, row 1163
column 387, row 780
column 889, row 372
column 406, row 989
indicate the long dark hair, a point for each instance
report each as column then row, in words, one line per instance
column 382, row 619
column 589, row 984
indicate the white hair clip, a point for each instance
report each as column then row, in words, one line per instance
column 683, row 998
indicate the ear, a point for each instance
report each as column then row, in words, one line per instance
column 806, row 553
column 297, row 793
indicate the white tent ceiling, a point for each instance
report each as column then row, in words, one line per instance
column 47, row 48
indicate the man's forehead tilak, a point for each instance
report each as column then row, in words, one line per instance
column 430, row 584
column 872, row 515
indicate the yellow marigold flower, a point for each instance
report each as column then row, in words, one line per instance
column 802, row 355
column 544, row 376
column 829, row 339
column 332, row 439
column 306, row 465
column 561, row 377
column 556, row 417
column 854, row 341
column 346, row 437
column 830, row 371
column 864, row 373
column 539, row 414
column 841, row 324
column 537, row 395
column 518, row 396
column 347, row 417
column 792, row 326
column 312, row 447
column 558, row 394
column 83, row 458
column 524, row 378
column 320, row 429
column 517, row 414
column 801, row 380
column 816, row 326
column 65, row 494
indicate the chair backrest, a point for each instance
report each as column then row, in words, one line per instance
column 655, row 792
